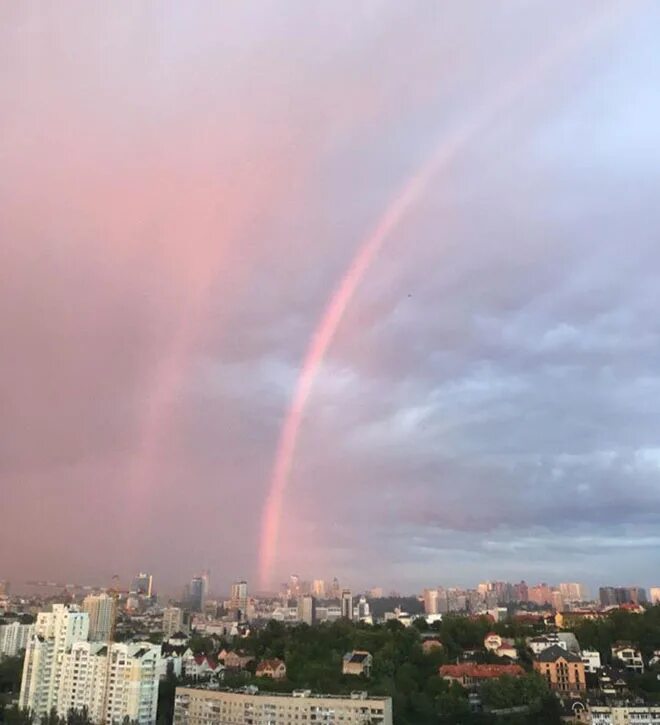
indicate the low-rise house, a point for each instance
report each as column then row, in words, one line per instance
column 471, row 675
column 542, row 642
column 275, row 669
column 612, row 682
column 200, row 666
column 493, row 641
column 178, row 639
column 563, row 670
column 170, row 664
column 237, row 660
column 655, row 659
column 500, row 646
column 629, row 655
column 565, row 640
column 591, row 660
column 357, row 663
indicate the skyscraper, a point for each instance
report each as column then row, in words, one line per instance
column 346, row 604
column 102, row 611
column 142, row 584
column 196, row 594
column 206, row 579
column 294, row 586
column 335, row 591
column 318, row 588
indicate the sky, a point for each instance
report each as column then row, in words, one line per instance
column 183, row 188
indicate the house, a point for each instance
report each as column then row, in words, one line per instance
column 591, row 660
column 612, row 682
column 357, row 663
column 538, row 644
column 275, row 669
column 237, row 660
column 563, row 670
column 178, row 639
column 655, row 659
column 200, row 666
column 492, row 641
column 170, row 664
column 501, row 646
column 470, row 675
column 565, row 640
column 629, row 655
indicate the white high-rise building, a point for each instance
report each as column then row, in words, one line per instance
column 63, row 670
column 54, row 634
column 83, row 680
column 654, row 595
column 363, row 611
column 102, row 610
column 123, row 686
column 14, row 637
column 172, row 621
column 431, row 601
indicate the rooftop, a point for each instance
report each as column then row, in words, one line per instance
column 254, row 692
column 554, row 653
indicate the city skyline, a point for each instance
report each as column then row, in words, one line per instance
column 372, row 296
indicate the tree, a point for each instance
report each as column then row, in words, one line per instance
column 14, row 716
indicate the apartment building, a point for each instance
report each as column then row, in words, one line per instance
column 173, row 621
column 102, row 611
column 113, row 682
column 14, row 638
column 65, row 671
column 55, row 633
column 563, row 670
column 624, row 715
column 214, row 707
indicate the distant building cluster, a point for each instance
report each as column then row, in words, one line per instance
column 107, row 652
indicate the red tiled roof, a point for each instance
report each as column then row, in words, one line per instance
column 269, row 664
column 480, row 672
column 211, row 661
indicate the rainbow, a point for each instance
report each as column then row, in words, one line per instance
column 415, row 186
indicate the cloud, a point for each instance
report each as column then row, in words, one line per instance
column 181, row 190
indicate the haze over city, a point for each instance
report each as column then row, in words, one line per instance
column 182, row 198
